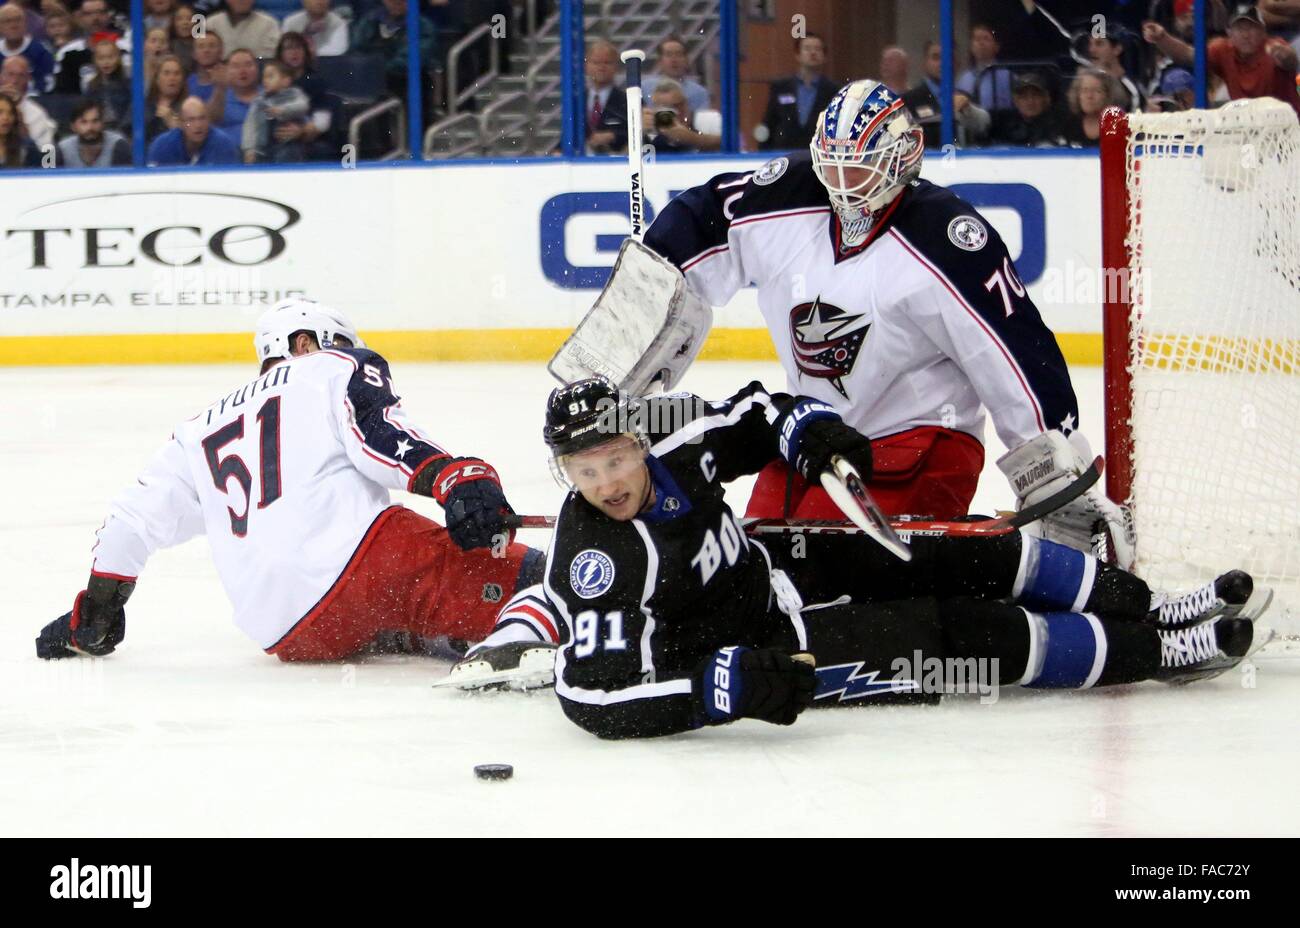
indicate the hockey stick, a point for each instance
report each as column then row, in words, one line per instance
column 846, row 490
column 632, row 58
column 904, row 527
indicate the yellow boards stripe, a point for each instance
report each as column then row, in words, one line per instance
column 422, row 345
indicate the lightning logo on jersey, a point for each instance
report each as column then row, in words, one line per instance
column 826, row 341
column 843, row 680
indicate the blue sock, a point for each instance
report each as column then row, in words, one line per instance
column 1067, row 650
column 1053, row 576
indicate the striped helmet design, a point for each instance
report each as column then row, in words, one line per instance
column 867, row 147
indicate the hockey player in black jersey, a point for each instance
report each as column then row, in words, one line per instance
column 670, row 618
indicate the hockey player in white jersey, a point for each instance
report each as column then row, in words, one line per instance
column 289, row 476
column 896, row 302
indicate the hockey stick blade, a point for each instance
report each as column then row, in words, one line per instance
column 846, row 489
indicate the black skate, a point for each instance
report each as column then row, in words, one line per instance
column 1208, row 648
column 519, row 665
column 1233, row 595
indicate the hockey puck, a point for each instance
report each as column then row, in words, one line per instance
column 494, row 771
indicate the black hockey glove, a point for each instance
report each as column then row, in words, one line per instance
column 811, row 433
column 471, row 497
column 766, row 684
column 95, row 626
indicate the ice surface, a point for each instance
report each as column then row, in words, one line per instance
column 190, row 729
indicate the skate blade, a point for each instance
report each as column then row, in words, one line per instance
column 1260, row 599
column 536, row 670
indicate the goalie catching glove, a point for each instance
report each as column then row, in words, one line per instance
column 95, row 626
column 1047, row 463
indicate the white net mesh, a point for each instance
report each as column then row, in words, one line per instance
column 1214, row 230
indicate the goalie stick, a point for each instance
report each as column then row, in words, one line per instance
column 903, row 527
column 632, row 58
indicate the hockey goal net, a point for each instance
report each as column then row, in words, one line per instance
column 1201, row 242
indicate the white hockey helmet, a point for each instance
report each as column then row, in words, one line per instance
column 867, row 147
column 277, row 325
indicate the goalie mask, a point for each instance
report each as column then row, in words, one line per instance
column 278, row 325
column 866, row 149
column 585, row 415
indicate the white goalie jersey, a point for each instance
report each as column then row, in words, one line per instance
column 923, row 323
column 285, row 475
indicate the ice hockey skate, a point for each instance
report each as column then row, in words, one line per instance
column 519, row 665
column 1231, row 595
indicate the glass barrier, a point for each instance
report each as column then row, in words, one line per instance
column 213, row 82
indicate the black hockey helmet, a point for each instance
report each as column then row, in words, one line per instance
column 585, row 414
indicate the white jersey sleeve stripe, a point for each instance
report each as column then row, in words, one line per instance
column 592, row 697
column 697, row 427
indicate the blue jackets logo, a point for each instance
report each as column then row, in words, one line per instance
column 591, row 573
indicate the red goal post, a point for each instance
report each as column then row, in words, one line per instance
column 1200, row 219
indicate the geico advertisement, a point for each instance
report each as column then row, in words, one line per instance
column 455, row 246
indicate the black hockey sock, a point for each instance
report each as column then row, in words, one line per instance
column 986, row 631
column 1117, row 594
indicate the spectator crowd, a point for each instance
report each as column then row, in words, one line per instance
column 251, row 81
column 226, row 81
column 1065, row 67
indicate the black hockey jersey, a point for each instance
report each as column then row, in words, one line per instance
column 641, row 603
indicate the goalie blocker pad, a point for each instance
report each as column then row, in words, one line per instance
column 647, row 325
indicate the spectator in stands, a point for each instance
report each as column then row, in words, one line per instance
column 1032, row 121
column 164, row 96
column 970, row 122
column 158, row 14
column 1179, row 17
column 16, row 149
column 195, row 142
column 1106, row 52
column 280, row 103
column 326, row 30
column 70, row 52
column 157, row 45
column 606, row 104
column 183, row 35
column 91, row 145
column 383, row 32
column 1177, row 92
column 15, row 41
column 209, row 65
column 15, row 79
column 241, row 26
column 895, row 65
column 94, row 16
column 669, row 122
column 672, row 63
column 794, row 103
column 233, row 95
column 1250, row 63
column 111, row 85
column 1091, row 91
column 985, row 83
column 295, row 54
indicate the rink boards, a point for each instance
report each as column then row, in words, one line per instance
column 460, row 261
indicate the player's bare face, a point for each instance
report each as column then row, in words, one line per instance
column 613, row 477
